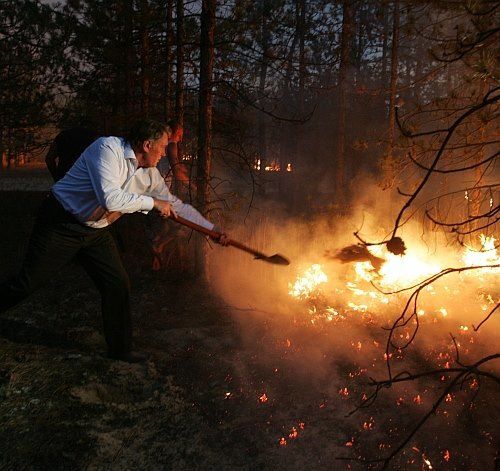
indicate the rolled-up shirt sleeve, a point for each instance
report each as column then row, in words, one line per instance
column 104, row 170
column 161, row 191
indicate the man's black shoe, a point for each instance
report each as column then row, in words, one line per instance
column 130, row 357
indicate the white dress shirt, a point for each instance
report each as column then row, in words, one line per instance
column 105, row 182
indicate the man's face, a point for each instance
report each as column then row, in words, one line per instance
column 177, row 136
column 154, row 151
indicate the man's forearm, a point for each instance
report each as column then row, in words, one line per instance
column 192, row 214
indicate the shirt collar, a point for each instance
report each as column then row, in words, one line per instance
column 128, row 152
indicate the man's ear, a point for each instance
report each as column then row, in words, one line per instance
column 146, row 146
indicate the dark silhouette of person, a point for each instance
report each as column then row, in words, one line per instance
column 66, row 148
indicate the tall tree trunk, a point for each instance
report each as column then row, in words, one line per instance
column 288, row 135
column 207, row 56
column 297, row 197
column 168, row 64
column 301, row 31
column 128, row 20
column 389, row 170
column 145, row 57
column 262, row 134
column 343, row 85
column 385, row 45
column 3, row 148
column 179, row 80
column 359, row 42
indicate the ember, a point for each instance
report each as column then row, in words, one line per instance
column 344, row 392
column 427, row 462
column 368, row 425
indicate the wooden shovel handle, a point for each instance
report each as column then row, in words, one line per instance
column 216, row 235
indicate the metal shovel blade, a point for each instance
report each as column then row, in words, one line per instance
column 276, row 259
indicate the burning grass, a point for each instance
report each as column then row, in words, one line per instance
column 334, row 321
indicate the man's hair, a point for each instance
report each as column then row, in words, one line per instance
column 147, row 130
column 174, row 125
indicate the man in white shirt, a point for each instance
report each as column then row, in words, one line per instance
column 113, row 176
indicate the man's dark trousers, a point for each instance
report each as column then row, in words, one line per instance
column 58, row 238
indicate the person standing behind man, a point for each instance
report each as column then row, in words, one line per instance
column 67, row 146
column 176, row 177
column 112, row 177
column 172, row 168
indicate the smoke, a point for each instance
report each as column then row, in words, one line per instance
column 256, row 291
column 314, row 364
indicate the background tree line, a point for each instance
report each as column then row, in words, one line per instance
column 262, row 87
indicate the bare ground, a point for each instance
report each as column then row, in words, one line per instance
column 199, row 404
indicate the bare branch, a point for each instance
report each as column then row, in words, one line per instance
column 488, row 214
column 486, row 318
column 454, row 170
column 462, row 372
column 487, row 100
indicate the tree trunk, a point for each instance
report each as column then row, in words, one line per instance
column 128, row 20
column 385, row 44
column 301, row 31
column 345, row 48
column 145, row 58
column 298, row 164
column 168, row 61
column 389, row 170
column 3, row 149
column 179, row 80
column 207, row 56
column 262, row 134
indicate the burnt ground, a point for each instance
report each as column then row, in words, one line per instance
column 199, row 403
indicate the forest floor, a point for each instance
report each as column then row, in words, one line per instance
column 210, row 398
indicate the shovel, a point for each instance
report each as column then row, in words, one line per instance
column 276, row 258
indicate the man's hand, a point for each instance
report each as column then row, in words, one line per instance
column 164, row 208
column 222, row 239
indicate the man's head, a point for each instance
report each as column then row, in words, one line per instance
column 148, row 139
column 177, row 131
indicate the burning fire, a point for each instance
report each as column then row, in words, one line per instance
column 307, row 284
column 486, row 255
column 273, row 166
column 357, row 297
column 396, row 273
